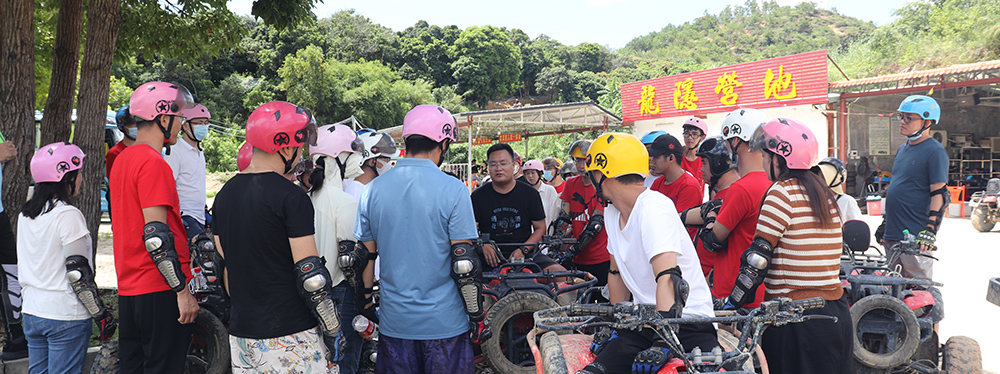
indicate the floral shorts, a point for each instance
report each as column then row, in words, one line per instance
column 301, row 352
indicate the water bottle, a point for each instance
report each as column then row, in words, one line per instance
column 365, row 327
column 907, row 237
column 198, row 281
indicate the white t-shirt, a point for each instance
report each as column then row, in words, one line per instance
column 550, row 202
column 41, row 262
column 334, row 214
column 650, row 178
column 654, row 228
column 353, row 188
column 188, row 164
column 848, row 208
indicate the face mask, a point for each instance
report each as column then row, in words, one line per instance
column 515, row 168
column 199, row 132
column 382, row 166
column 133, row 132
column 547, row 175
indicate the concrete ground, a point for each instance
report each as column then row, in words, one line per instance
column 968, row 259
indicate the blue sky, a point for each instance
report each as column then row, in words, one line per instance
column 612, row 23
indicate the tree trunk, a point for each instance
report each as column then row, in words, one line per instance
column 17, row 98
column 65, row 58
column 103, row 20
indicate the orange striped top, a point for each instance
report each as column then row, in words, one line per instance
column 806, row 261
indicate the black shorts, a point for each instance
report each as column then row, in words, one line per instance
column 619, row 354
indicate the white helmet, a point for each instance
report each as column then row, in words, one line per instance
column 378, row 144
column 741, row 123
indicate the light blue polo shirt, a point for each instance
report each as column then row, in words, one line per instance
column 412, row 212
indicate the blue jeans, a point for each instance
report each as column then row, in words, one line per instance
column 56, row 346
column 347, row 310
column 192, row 227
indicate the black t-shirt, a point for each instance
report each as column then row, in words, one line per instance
column 255, row 214
column 507, row 217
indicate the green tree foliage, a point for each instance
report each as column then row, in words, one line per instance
column 220, row 151
column 187, row 29
column 356, row 38
column 335, row 90
column 487, row 63
column 751, row 32
column 591, row 57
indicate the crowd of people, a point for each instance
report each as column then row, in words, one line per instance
column 304, row 240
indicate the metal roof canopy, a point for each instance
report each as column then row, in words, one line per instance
column 533, row 120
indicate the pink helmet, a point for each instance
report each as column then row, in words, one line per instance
column 534, row 165
column 789, row 139
column 696, row 122
column 197, row 111
column 278, row 124
column 431, row 121
column 333, row 140
column 244, row 156
column 152, row 99
column 51, row 162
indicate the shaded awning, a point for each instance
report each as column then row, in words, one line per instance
column 954, row 76
column 531, row 120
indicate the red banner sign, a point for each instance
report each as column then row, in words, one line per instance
column 791, row 80
column 481, row 140
column 507, row 138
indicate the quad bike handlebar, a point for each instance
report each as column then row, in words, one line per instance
column 630, row 316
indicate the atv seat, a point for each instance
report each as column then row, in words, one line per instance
column 857, row 236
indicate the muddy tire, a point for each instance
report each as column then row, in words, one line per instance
column 106, row 361
column 553, row 359
column 887, row 333
column 961, row 354
column 208, row 352
column 993, row 292
column 512, row 316
column 981, row 221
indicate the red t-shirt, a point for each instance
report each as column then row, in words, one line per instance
column 560, row 187
column 573, row 191
column 708, row 258
column 739, row 213
column 686, row 192
column 693, row 167
column 109, row 159
column 142, row 180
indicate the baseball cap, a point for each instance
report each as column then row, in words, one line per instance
column 665, row 144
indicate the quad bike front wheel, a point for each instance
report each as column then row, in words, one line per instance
column 510, row 319
column 208, row 352
column 961, row 354
column 887, row 332
column 981, row 219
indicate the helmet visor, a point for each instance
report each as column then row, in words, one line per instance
column 184, row 99
column 357, row 145
column 759, row 140
column 385, row 147
column 307, row 134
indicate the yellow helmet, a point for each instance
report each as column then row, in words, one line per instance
column 579, row 148
column 617, row 154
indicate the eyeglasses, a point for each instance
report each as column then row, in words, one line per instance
column 692, row 133
column 198, row 122
column 499, row 164
column 904, row 119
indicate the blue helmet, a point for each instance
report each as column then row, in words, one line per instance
column 924, row 106
column 124, row 118
column 365, row 131
column 651, row 136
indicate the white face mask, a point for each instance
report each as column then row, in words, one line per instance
column 382, row 166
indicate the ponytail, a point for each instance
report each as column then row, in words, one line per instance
column 317, row 176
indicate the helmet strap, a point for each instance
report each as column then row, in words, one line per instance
column 916, row 135
column 190, row 135
column 598, row 192
column 166, row 133
column 342, row 166
column 289, row 162
column 373, row 168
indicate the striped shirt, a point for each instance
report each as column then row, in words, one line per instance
column 806, row 260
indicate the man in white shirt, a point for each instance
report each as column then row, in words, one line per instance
column 650, row 253
column 187, row 161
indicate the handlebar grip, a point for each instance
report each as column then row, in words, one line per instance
column 592, row 310
column 810, row 303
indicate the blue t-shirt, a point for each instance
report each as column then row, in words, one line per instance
column 915, row 169
column 413, row 212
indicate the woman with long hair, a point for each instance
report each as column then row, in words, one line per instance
column 54, row 259
column 796, row 254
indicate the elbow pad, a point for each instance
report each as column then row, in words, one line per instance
column 936, row 216
column 81, row 278
column 313, row 282
column 159, row 241
column 681, row 291
column 711, row 242
column 468, row 274
column 712, row 206
column 753, row 268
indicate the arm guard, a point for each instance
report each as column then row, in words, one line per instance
column 712, row 206
column 681, row 291
column 353, row 259
column 159, row 241
column 711, row 242
column 594, row 226
column 934, row 217
column 468, row 275
column 81, row 278
column 313, row 281
column 753, row 268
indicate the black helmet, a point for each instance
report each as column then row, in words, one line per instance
column 713, row 152
column 836, row 179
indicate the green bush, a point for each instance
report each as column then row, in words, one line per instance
column 220, row 151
